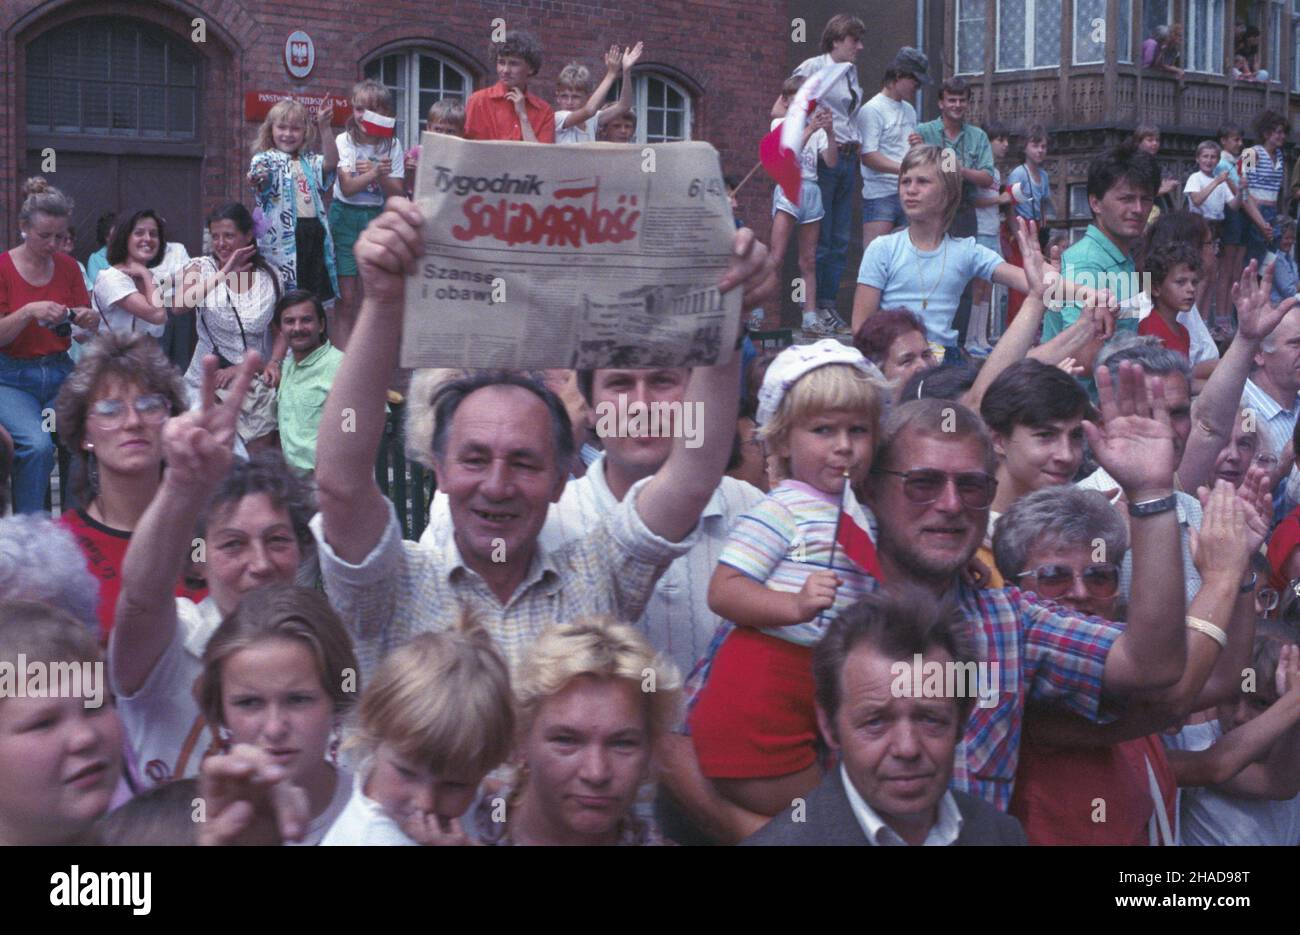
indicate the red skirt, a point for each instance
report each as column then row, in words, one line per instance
column 755, row 717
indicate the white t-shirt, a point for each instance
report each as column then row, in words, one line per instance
column 1211, row 817
column 364, row 821
column 930, row 283
column 1212, row 207
column 844, row 98
column 217, row 327
column 322, row 823
column 584, row 132
column 160, row 716
column 816, row 145
column 350, row 152
column 884, row 126
column 987, row 220
column 111, row 287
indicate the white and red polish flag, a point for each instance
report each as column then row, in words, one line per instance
column 779, row 150
column 377, row 124
column 853, row 540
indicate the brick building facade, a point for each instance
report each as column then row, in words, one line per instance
column 138, row 113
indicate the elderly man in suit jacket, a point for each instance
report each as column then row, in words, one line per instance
column 896, row 679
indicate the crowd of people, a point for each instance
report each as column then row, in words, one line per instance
column 907, row 585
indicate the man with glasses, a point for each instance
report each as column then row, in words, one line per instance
column 931, row 489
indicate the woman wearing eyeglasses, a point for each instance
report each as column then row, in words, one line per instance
column 1066, row 544
column 110, row 414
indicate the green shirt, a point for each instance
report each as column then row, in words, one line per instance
column 971, row 146
column 303, row 388
column 1097, row 262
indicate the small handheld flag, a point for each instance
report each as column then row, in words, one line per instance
column 853, row 539
column 779, row 150
column 374, row 124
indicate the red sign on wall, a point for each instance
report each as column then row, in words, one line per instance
column 257, row 104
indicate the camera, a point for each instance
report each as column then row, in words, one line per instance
column 62, row 327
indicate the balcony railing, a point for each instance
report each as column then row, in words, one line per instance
column 1094, row 99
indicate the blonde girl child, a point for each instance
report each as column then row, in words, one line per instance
column 807, row 215
column 434, row 721
column 780, row 579
column 288, row 177
column 922, row 268
column 372, row 168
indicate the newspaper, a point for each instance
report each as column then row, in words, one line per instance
column 598, row 255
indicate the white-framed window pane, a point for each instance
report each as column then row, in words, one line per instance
column 1047, row 33
column 663, row 110
column 1154, row 13
column 1079, row 202
column 1275, row 40
column 1204, row 36
column 1029, row 34
column 972, row 19
column 1011, row 34
column 1124, row 41
column 1076, row 234
column 1089, row 39
column 416, row 79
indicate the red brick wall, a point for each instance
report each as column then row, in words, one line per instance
column 734, row 54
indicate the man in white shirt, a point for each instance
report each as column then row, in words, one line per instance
column 896, row 730
column 884, row 124
column 1274, row 383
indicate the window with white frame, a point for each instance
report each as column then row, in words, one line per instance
column 1204, row 36
column 1275, row 19
column 972, row 20
column 1295, row 46
column 662, row 107
column 1155, row 13
column 1029, row 34
column 417, row 78
column 1079, row 208
column 1090, row 32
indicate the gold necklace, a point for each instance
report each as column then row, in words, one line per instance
column 925, row 299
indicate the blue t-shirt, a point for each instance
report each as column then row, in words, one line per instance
column 1038, row 206
column 929, row 283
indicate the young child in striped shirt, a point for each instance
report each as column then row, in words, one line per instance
column 781, row 577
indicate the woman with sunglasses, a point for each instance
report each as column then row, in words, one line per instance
column 1066, row 544
column 110, row 414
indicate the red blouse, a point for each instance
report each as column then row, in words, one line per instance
column 65, row 287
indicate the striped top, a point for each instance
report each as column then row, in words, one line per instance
column 1265, row 179
column 785, row 538
column 1275, row 423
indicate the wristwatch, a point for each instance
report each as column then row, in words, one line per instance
column 1153, row 507
column 1249, row 584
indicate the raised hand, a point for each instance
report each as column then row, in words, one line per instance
column 248, row 800
column 1223, row 545
column 1036, row 272
column 752, row 268
column 632, row 56
column 817, row 594
column 614, row 58
column 1287, row 677
column 1256, row 315
column 325, row 117
column 239, row 261
column 1134, row 443
column 198, row 444
column 388, row 249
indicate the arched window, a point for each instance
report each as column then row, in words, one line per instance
column 662, row 107
column 417, row 78
column 112, row 77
